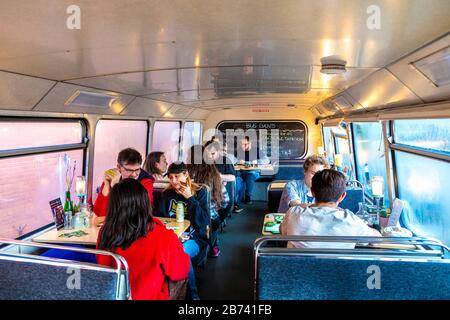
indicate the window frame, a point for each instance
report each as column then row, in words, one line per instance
column 83, row 145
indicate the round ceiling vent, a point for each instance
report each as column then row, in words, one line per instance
column 333, row 65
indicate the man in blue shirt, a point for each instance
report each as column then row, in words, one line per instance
column 249, row 176
column 298, row 192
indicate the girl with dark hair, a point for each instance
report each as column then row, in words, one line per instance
column 153, row 252
column 156, row 165
column 208, row 174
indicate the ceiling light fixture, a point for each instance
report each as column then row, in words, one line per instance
column 333, row 65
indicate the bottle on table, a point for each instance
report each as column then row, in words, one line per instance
column 68, row 211
column 180, row 212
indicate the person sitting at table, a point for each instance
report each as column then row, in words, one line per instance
column 208, row 174
column 129, row 163
column 193, row 199
column 156, row 165
column 214, row 153
column 248, row 155
column 153, row 252
column 298, row 192
column 324, row 217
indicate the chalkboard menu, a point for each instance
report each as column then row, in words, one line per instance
column 290, row 135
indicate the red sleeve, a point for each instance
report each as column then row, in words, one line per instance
column 148, row 184
column 103, row 259
column 177, row 263
column 100, row 204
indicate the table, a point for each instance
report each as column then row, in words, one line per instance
column 53, row 235
column 265, row 169
column 227, row 177
column 275, row 218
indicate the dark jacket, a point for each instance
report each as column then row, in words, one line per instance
column 196, row 211
column 225, row 166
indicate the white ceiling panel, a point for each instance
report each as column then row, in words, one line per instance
column 199, row 114
column 56, row 100
column 18, row 92
column 218, row 53
column 415, row 80
column 382, row 89
column 178, row 112
column 146, row 108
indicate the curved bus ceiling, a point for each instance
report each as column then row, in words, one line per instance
column 186, row 58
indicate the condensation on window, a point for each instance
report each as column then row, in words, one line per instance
column 191, row 136
column 369, row 154
column 112, row 136
column 433, row 134
column 423, row 185
column 27, row 186
column 166, row 138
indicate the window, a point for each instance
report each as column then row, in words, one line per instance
column 343, row 149
column 112, row 136
column 422, row 181
column 432, row 134
column 423, row 184
column 369, row 154
column 42, row 134
column 337, row 142
column 191, row 136
column 29, row 182
column 328, row 144
column 166, row 138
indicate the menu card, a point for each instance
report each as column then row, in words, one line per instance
column 57, row 212
column 396, row 212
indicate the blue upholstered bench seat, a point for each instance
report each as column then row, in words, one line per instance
column 70, row 255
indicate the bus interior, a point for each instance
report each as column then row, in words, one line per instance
column 364, row 84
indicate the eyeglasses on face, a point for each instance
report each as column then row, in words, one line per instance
column 131, row 171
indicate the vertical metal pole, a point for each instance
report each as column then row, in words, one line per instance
column 388, row 159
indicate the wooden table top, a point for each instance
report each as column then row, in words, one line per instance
column 54, row 236
column 265, row 169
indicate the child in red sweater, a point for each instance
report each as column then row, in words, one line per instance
column 153, row 253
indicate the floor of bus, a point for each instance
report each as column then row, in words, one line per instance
column 230, row 275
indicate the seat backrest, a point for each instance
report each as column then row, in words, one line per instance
column 29, row 277
column 157, row 196
column 274, row 192
column 310, row 278
column 284, row 275
column 290, row 172
column 353, row 197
